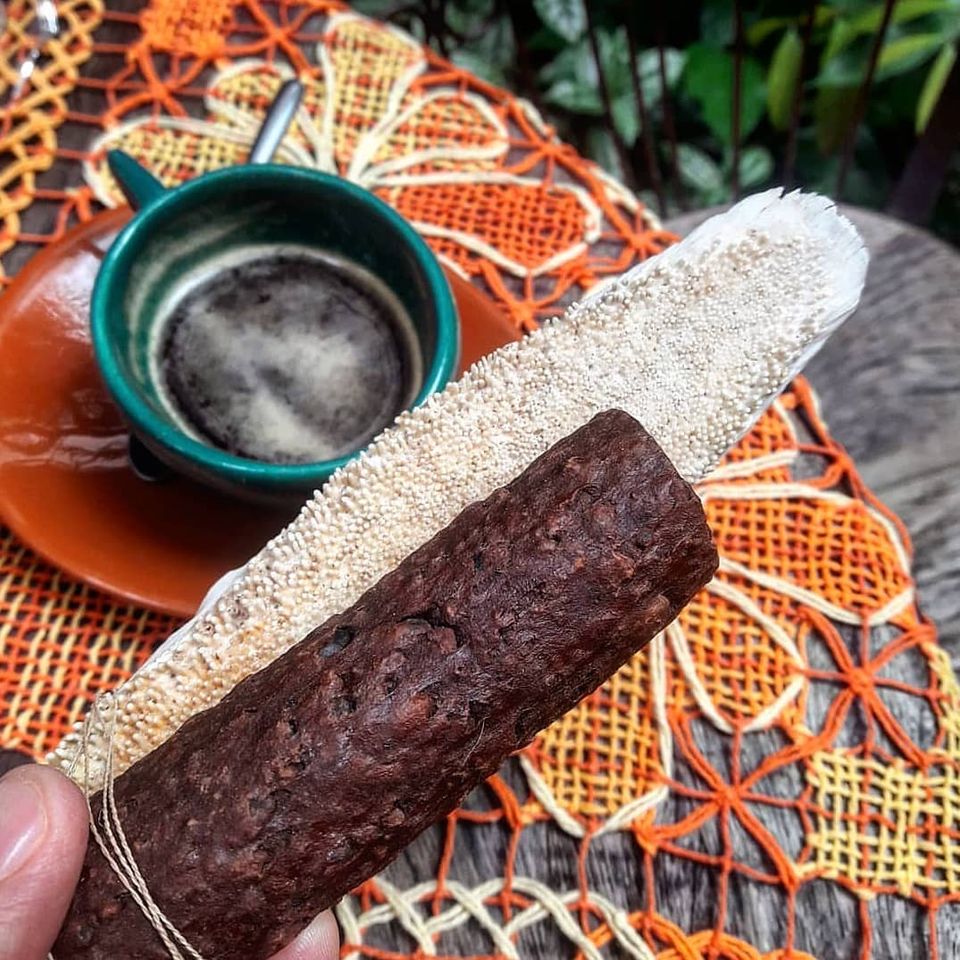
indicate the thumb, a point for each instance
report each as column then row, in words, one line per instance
column 43, row 837
column 319, row 941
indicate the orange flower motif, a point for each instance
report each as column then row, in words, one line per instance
column 437, row 153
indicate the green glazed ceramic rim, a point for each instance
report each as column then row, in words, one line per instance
column 146, row 421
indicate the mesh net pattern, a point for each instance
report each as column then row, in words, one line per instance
column 809, row 641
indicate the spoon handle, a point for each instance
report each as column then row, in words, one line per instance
column 278, row 119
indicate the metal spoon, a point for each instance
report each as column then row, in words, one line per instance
column 277, row 121
column 45, row 27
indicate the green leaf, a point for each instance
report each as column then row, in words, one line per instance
column 615, row 57
column 905, row 53
column 495, row 44
column 906, row 10
column 417, row 29
column 756, row 167
column 844, row 60
column 933, row 85
column 545, row 39
column 577, row 63
column 648, row 67
column 708, row 79
column 480, row 65
column 919, row 29
column 763, row 28
column 568, row 18
column 759, row 31
column 716, row 22
column 699, row 170
column 574, row 62
column 600, row 147
column 626, row 118
column 850, row 7
column 842, row 34
column 782, row 79
column 376, row 8
column 575, row 97
column 467, row 18
column 832, row 113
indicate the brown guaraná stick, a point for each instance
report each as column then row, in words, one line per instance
column 313, row 774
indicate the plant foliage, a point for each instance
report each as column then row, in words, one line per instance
column 582, row 66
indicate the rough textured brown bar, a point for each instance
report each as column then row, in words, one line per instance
column 314, row 773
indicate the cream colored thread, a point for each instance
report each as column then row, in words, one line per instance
column 112, row 841
column 803, row 491
column 348, row 925
column 594, row 217
column 375, row 173
column 785, row 418
column 658, row 672
column 536, row 120
column 747, row 468
column 681, row 650
column 623, row 817
column 408, row 917
column 811, row 599
column 239, row 126
column 243, row 120
column 473, row 907
column 542, row 792
column 547, row 905
column 326, row 153
column 483, row 249
column 550, row 902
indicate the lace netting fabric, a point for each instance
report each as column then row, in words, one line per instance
column 807, row 650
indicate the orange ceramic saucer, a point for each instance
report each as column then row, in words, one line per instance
column 66, row 487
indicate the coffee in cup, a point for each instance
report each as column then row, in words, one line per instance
column 177, row 319
column 285, row 354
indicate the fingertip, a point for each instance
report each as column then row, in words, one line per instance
column 65, row 809
column 43, row 839
column 319, row 941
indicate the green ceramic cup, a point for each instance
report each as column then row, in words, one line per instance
column 175, row 230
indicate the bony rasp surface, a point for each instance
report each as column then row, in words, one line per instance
column 695, row 343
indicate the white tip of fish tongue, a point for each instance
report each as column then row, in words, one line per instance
column 738, row 308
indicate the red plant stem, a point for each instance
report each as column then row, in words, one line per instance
column 618, row 142
column 646, row 133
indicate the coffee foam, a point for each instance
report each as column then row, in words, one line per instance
column 284, row 353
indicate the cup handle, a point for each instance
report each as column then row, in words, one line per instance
column 138, row 184
column 144, row 464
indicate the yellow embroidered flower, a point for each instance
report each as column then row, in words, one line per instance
column 436, row 152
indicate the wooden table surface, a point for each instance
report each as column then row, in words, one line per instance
column 889, row 382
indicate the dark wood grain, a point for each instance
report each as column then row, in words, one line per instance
column 889, row 382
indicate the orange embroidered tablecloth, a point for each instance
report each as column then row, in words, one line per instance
column 809, row 641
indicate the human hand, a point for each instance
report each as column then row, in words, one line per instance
column 43, row 838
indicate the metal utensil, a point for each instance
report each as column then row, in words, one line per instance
column 45, row 27
column 277, row 121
